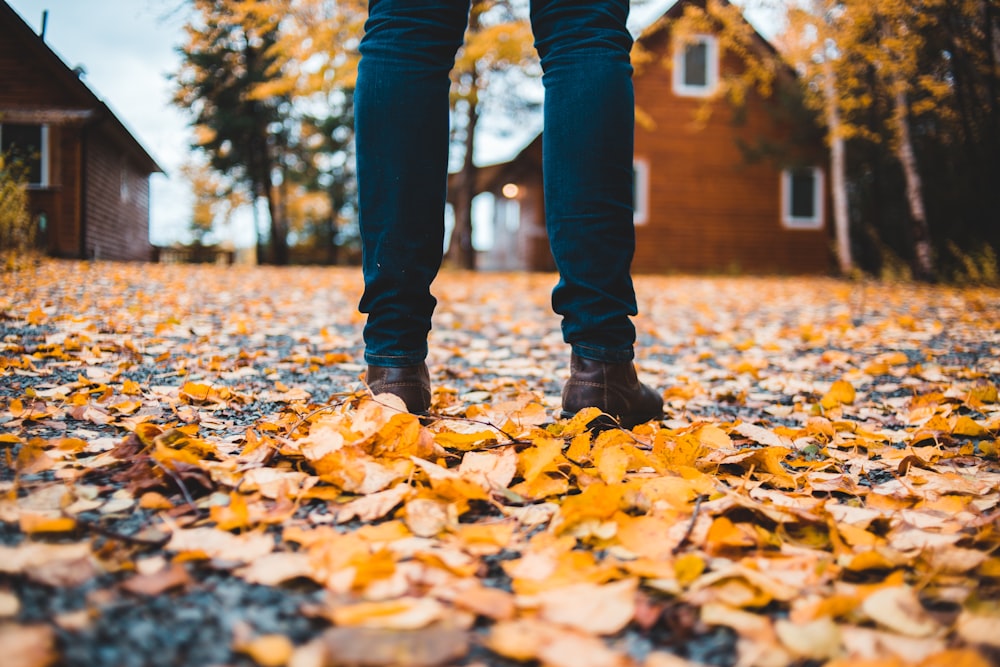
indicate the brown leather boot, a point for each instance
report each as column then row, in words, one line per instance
column 410, row 383
column 612, row 387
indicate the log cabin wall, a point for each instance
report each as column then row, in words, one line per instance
column 96, row 200
column 709, row 208
column 116, row 204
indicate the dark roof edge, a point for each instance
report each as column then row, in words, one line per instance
column 70, row 78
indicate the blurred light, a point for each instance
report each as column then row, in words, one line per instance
column 510, row 190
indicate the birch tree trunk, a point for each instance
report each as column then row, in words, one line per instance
column 838, row 174
column 923, row 256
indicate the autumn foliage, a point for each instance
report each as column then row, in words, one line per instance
column 824, row 490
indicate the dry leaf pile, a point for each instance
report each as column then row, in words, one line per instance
column 825, row 489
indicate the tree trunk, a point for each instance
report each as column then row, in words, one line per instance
column 460, row 250
column 258, row 241
column 923, row 256
column 279, row 229
column 838, row 176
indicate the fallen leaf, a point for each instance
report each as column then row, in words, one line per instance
column 373, row 506
column 369, row 647
column 408, row 613
column 173, row 576
column 28, row 645
column 591, row 608
column 268, row 650
column 898, row 608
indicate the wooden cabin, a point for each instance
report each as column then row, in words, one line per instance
column 743, row 190
column 88, row 175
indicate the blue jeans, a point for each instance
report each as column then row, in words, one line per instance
column 401, row 110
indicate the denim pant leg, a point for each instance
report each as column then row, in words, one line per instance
column 401, row 122
column 587, row 163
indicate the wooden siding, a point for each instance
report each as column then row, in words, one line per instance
column 116, row 212
column 23, row 86
column 710, row 209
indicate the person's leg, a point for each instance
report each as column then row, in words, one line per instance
column 587, row 165
column 401, row 121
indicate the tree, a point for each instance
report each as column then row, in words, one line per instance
column 225, row 56
column 215, row 199
column 497, row 55
column 813, row 42
column 899, row 76
column 314, row 64
column 316, row 55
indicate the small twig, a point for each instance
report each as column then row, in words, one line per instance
column 433, row 416
column 687, row 533
column 330, row 406
column 177, row 480
column 131, row 539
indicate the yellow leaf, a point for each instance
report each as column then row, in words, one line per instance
column 579, row 449
column 542, row 487
column 131, row 388
column 647, row 536
column 233, row 516
column 612, row 463
column 373, row 567
column 598, row 501
column 841, row 393
column 713, row 437
column 36, row 316
column 688, row 568
column 464, row 442
column 965, row 425
column 403, row 614
column 545, row 455
column 269, row 650
column 578, row 424
column 955, row 658
column 491, row 534
column 195, row 392
column 724, row 534
column 42, row 523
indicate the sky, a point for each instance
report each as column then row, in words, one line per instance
column 128, row 49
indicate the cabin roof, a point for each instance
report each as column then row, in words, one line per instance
column 90, row 109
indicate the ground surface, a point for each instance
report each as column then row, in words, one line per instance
column 193, row 474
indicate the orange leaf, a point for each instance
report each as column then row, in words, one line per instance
column 841, row 393
column 32, row 523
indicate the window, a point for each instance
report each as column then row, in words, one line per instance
column 123, row 186
column 29, row 143
column 696, row 66
column 802, row 198
column 640, row 191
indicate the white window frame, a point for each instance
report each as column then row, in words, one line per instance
column 640, row 207
column 815, row 221
column 711, row 63
column 43, row 177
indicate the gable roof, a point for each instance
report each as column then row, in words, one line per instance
column 88, row 108
column 644, row 27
